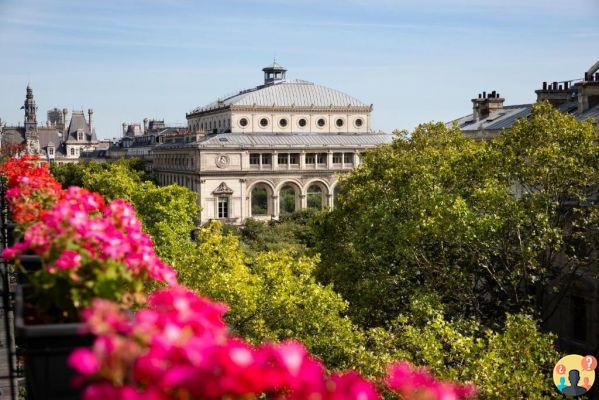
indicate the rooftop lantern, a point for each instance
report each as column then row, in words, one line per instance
column 274, row 73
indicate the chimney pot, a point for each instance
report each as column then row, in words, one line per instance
column 484, row 95
column 544, row 85
column 480, row 96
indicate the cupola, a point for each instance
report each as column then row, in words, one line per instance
column 274, row 73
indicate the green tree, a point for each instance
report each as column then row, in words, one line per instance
column 477, row 223
column 169, row 213
column 272, row 296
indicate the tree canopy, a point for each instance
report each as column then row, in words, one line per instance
column 481, row 224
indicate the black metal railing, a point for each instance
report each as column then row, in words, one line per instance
column 9, row 371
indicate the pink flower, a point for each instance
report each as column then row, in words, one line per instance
column 67, row 260
column 84, row 361
column 406, row 380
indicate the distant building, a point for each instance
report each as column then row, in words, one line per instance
column 268, row 150
column 138, row 141
column 575, row 316
column 55, row 141
column 489, row 114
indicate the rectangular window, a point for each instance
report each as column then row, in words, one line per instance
column 72, row 151
column 254, row 158
column 51, row 151
column 349, row 158
column 266, row 159
column 223, row 207
column 294, row 158
column 283, row 158
column 321, row 158
column 337, row 157
column 310, row 158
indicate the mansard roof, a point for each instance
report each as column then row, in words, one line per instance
column 287, row 93
column 78, row 123
column 286, row 140
column 508, row 115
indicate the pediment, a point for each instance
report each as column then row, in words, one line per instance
column 223, row 189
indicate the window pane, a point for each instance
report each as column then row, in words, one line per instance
column 259, row 201
column 321, row 158
column 282, row 158
column 266, row 159
column 310, row 158
column 337, row 158
column 254, row 158
column 349, row 158
column 223, row 207
column 287, row 200
column 294, row 158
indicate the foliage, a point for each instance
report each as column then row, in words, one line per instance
column 169, row 213
column 481, row 224
column 88, row 247
column 179, row 347
column 272, row 296
column 514, row 363
column 291, row 232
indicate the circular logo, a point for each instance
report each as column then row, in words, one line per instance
column 574, row 375
column 222, row 161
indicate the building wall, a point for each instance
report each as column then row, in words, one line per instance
column 232, row 121
column 204, row 171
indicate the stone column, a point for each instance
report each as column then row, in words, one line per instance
column 242, row 200
column 275, row 161
column 275, row 207
column 330, row 160
column 329, row 200
column 302, row 160
column 303, row 202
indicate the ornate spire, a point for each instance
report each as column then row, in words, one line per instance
column 30, row 108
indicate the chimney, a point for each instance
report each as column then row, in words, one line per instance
column 588, row 90
column 556, row 93
column 145, row 126
column 64, row 118
column 90, row 113
column 484, row 105
column 124, row 128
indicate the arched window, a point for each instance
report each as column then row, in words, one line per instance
column 287, row 200
column 259, row 200
column 315, row 197
column 336, row 192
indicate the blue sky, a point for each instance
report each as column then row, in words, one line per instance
column 415, row 60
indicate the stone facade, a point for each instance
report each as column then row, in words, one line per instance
column 270, row 150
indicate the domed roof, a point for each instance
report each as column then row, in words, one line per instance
column 287, row 93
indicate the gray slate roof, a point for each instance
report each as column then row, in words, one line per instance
column 47, row 136
column 510, row 114
column 285, row 94
column 238, row 140
column 78, row 122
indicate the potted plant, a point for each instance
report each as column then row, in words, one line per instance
column 74, row 247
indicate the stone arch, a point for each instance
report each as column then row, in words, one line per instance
column 260, row 197
column 318, row 194
column 289, row 193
